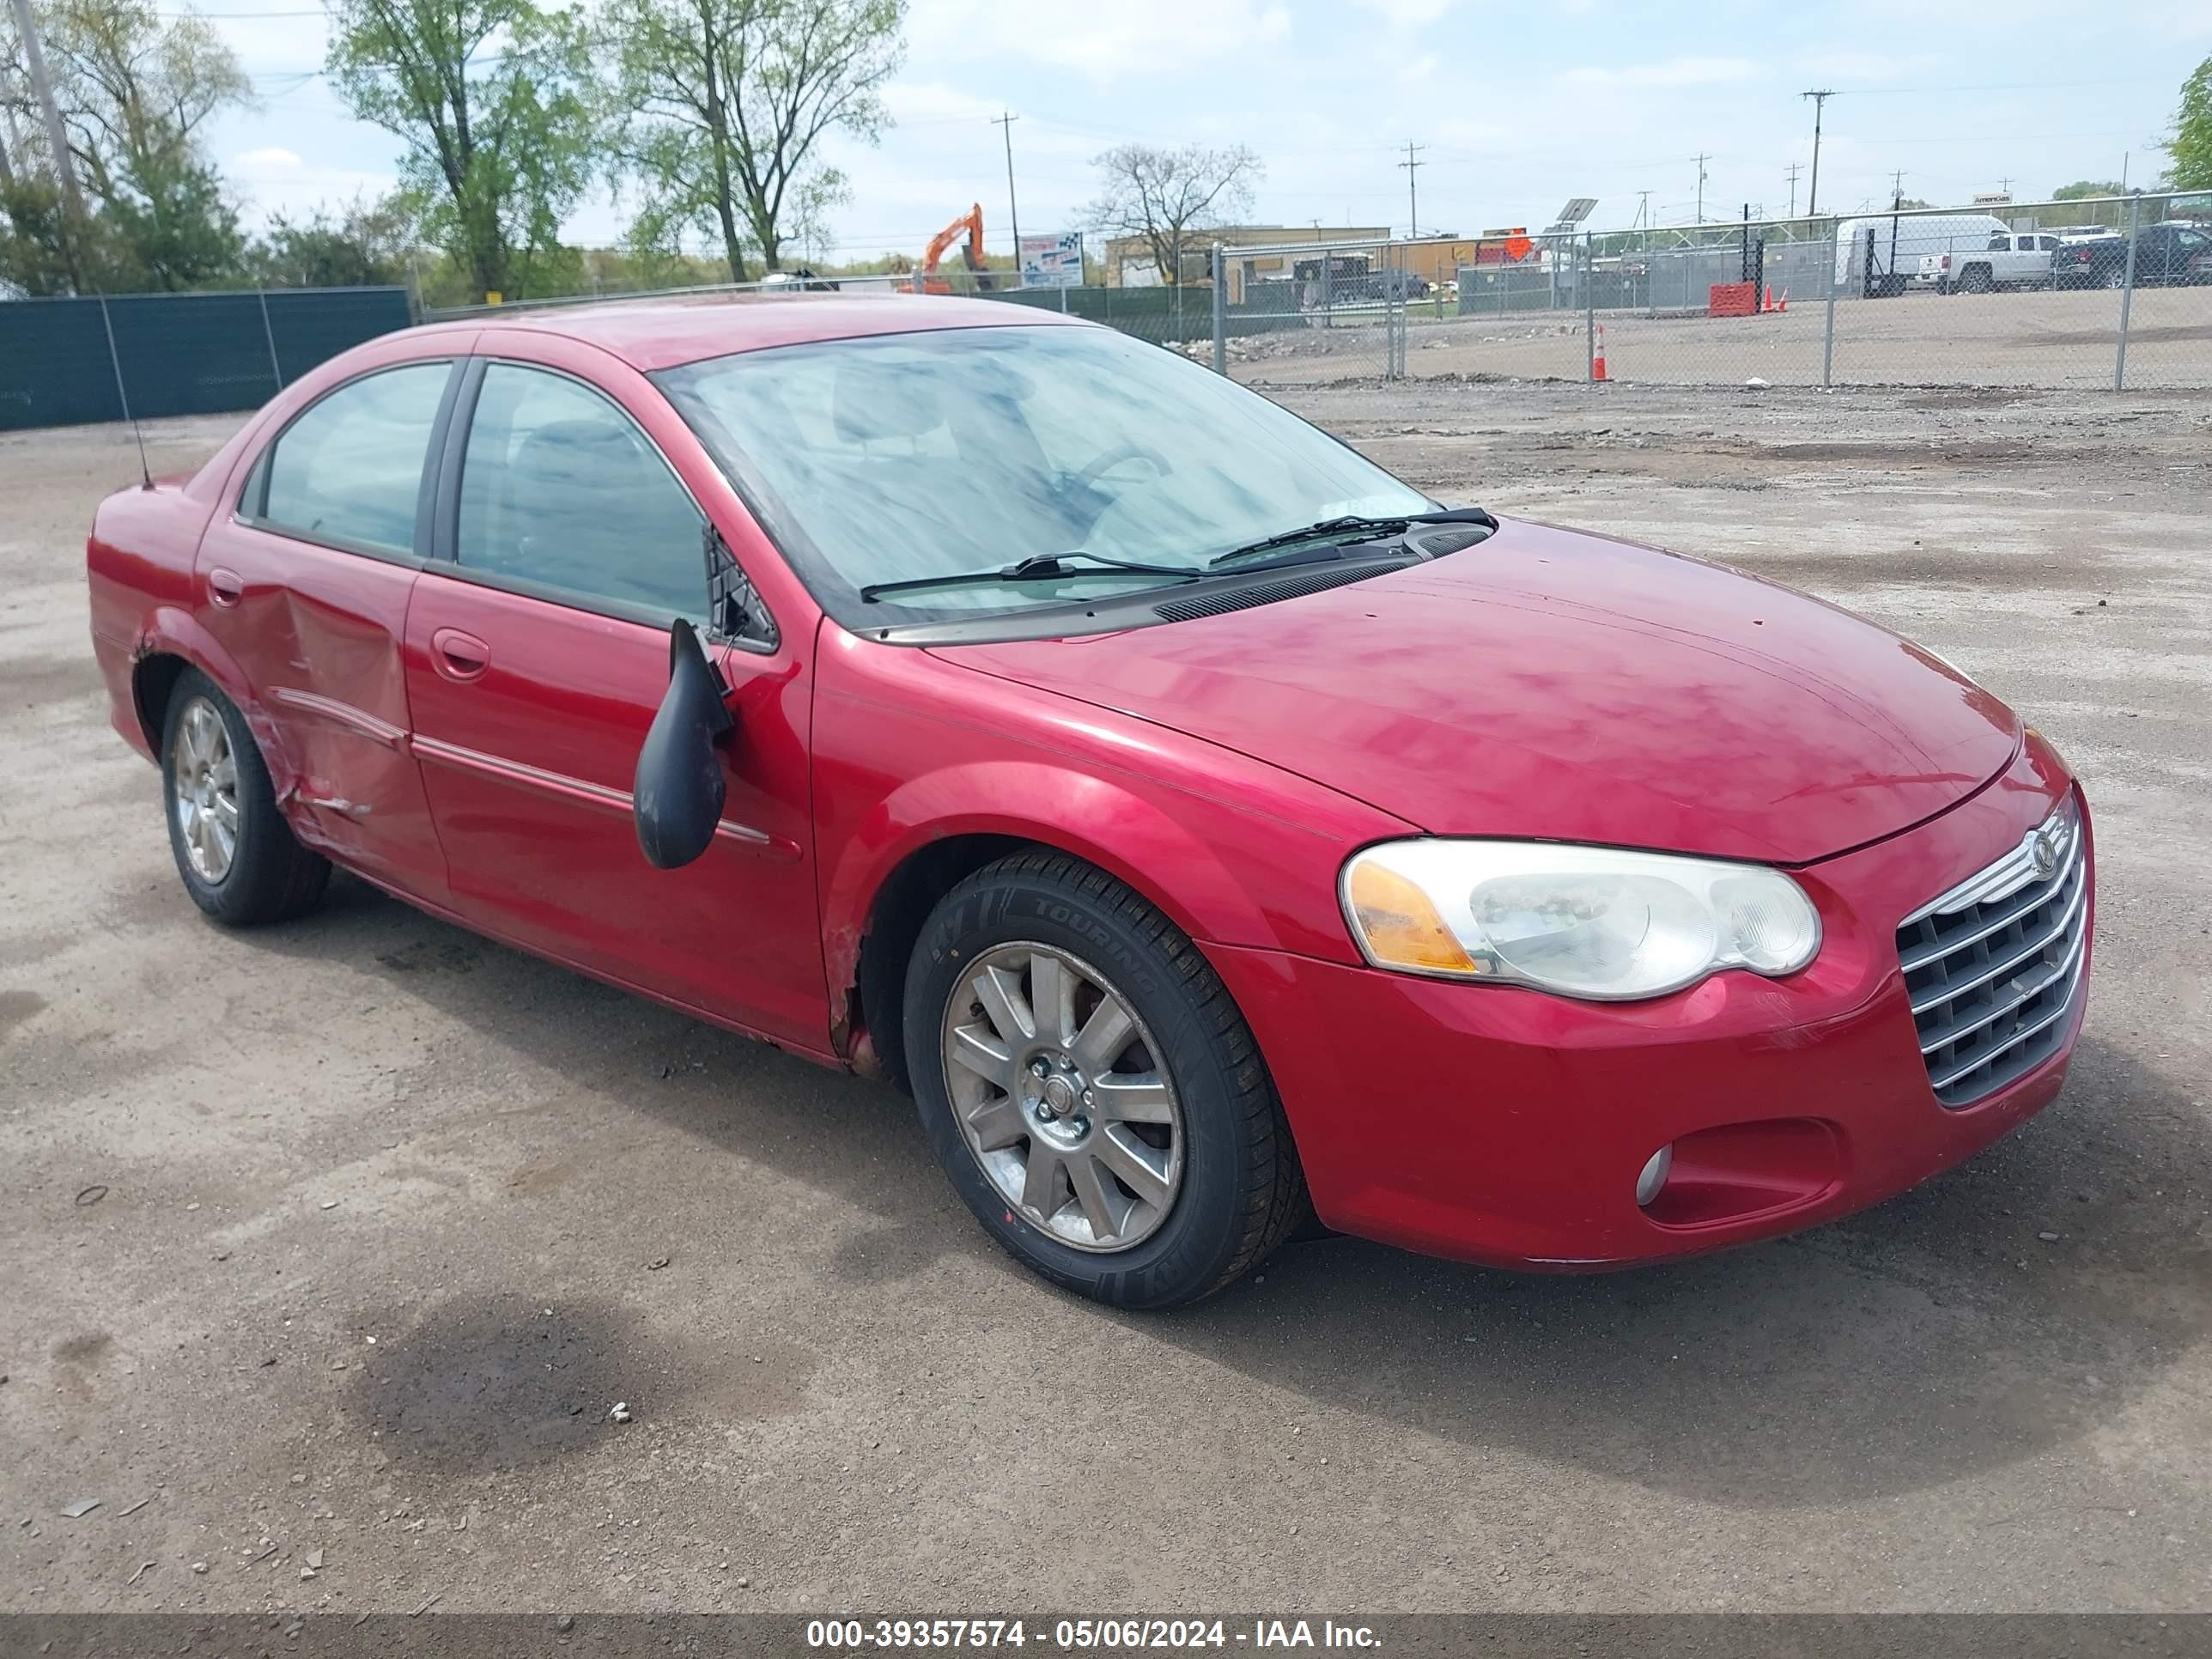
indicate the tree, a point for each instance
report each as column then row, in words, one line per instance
column 1166, row 194
column 495, row 102
column 363, row 246
column 728, row 102
column 134, row 90
column 2191, row 146
column 35, row 247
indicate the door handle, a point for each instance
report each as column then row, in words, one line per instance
column 460, row 656
column 225, row 587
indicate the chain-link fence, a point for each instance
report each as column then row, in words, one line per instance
column 2111, row 292
column 1337, row 308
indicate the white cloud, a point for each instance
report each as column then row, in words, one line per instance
column 1410, row 14
column 1848, row 65
column 918, row 101
column 1102, row 43
column 267, row 161
column 1672, row 72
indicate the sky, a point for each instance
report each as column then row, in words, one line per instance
column 1518, row 106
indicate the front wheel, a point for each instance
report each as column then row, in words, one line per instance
column 1090, row 1089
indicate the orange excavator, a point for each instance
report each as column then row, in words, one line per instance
column 926, row 279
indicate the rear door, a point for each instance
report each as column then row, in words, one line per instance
column 306, row 583
column 537, row 648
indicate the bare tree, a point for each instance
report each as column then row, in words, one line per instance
column 1167, row 195
column 728, row 102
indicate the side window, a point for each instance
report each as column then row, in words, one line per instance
column 350, row 469
column 559, row 487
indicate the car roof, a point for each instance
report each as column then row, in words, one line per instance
column 661, row 333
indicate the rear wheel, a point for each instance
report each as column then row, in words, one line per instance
column 1090, row 1089
column 1975, row 279
column 237, row 856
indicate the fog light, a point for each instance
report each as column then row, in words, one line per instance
column 1655, row 1175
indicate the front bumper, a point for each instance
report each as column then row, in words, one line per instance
column 1503, row 1126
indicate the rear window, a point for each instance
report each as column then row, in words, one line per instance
column 350, row 469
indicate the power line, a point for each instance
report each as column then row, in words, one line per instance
column 35, row 62
column 1412, row 199
column 1819, row 96
column 1005, row 122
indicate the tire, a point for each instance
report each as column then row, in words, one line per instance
column 1975, row 279
column 1209, row 1129
column 236, row 855
column 2116, row 278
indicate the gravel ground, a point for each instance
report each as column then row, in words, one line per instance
column 330, row 1247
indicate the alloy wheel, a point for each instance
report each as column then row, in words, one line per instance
column 205, row 788
column 1057, row 1088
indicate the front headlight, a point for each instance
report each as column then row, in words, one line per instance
column 1583, row 921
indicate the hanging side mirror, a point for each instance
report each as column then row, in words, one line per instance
column 678, row 792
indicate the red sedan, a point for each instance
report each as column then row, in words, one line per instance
column 1210, row 831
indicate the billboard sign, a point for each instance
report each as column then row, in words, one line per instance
column 1053, row 261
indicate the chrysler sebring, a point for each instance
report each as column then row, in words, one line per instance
column 1213, row 834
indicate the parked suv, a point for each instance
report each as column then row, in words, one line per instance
column 2167, row 255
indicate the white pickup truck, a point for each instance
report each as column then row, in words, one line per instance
column 2012, row 260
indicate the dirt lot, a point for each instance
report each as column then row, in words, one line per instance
column 335, row 1242
column 2012, row 339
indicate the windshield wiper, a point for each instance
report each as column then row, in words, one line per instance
column 1348, row 523
column 1038, row 567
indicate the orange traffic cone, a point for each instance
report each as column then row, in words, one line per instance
column 1597, row 356
column 1785, row 299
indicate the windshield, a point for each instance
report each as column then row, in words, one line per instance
column 901, row 456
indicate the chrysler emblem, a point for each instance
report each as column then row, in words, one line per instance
column 2043, row 848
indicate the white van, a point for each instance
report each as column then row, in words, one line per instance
column 1900, row 242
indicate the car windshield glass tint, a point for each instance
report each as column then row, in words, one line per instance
column 914, row 455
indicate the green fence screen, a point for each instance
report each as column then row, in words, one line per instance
column 180, row 353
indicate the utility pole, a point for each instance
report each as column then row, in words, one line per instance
column 1819, row 96
column 1413, row 199
column 1701, row 158
column 1896, row 190
column 1004, row 123
column 2005, row 184
column 1793, row 170
column 34, row 60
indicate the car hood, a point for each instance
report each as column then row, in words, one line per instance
column 1558, row 685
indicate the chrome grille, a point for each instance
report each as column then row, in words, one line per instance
column 1993, row 966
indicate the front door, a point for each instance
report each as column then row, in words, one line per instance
column 305, row 585
column 537, row 657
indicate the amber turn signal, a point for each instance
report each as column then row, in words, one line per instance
column 1399, row 924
